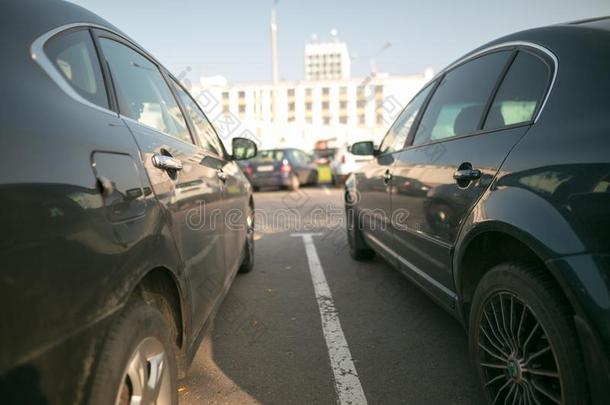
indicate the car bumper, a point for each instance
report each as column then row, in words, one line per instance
column 271, row 179
column 59, row 373
column 586, row 281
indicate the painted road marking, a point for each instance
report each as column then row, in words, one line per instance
column 326, row 190
column 347, row 383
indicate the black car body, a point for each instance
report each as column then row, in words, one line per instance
column 510, row 150
column 284, row 168
column 110, row 179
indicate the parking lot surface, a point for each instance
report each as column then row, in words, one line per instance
column 384, row 339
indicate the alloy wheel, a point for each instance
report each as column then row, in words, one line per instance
column 146, row 379
column 516, row 357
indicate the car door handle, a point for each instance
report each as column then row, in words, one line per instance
column 221, row 175
column 166, row 162
column 467, row 174
column 387, row 177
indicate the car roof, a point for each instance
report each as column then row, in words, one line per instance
column 22, row 21
column 595, row 22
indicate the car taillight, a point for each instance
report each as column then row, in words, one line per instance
column 285, row 168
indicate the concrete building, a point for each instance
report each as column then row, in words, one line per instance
column 328, row 105
column 327, row 61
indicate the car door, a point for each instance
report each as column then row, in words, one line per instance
column 185, row 184
column 374, row 181
column 469, row 126
column 232, row 225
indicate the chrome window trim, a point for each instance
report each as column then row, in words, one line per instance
column 148, row 127
column 523, row 44
column 39, row 56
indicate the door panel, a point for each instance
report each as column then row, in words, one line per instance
column 193, row 200
column 235, row 205
column 435, row 205
column 190, row 192
column 374, row 204
column 441, row 180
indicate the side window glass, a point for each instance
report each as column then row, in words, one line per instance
column 399, row 131
column 203, row 127
column 520, row 93
column 457, row 106
column 142, row 93
column 74, row 55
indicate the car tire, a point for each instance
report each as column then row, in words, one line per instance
column 295, row 184
column 248, row 262
column 522, row 339
column 358, row 248
column 314, row 179
column 139, row 333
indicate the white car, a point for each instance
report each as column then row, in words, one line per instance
column 345, row 163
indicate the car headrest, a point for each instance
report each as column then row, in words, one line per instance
column 467, row 120
column 495, row 119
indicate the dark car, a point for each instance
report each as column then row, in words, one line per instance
column 512, row 234
column 281, row 168
column 111, row 264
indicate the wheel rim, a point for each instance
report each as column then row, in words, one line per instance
column 516, row 358
column 146, row 379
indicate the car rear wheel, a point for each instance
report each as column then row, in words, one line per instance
column 522, row 340
column 137, row 363
column 295, row 184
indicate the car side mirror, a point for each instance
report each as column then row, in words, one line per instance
column 243, row 149
column 366, row 148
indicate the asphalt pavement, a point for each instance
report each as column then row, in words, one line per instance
column 362, row 334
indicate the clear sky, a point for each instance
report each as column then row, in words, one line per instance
column 232, row 38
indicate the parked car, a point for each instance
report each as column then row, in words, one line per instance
column 491, row 192
column 344, row 163
column 111, row 267
column 281, row 168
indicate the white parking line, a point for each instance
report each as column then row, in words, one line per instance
column 347, row 383
column 326, row 190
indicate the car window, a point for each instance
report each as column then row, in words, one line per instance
column 203, row 127
column 457, row 106
column 142, row 93
column 269, row 156
column 74, row 55
column 520, row 93
column 397, row 135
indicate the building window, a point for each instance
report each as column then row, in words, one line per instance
column 343, row 119
column 308, row 106
column 361, row 119
column 290, row 93
column 325, row 105
column 307, row 92
column 343, row 105
column 291, row 106
column 326, row 120
column 325, row 91
column 241, row 95
column 343, row 92
column 361, row 103
column 379, row 92
column 242, row 109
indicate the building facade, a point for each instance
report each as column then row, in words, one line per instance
column 327, row 61
column 342, row 111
